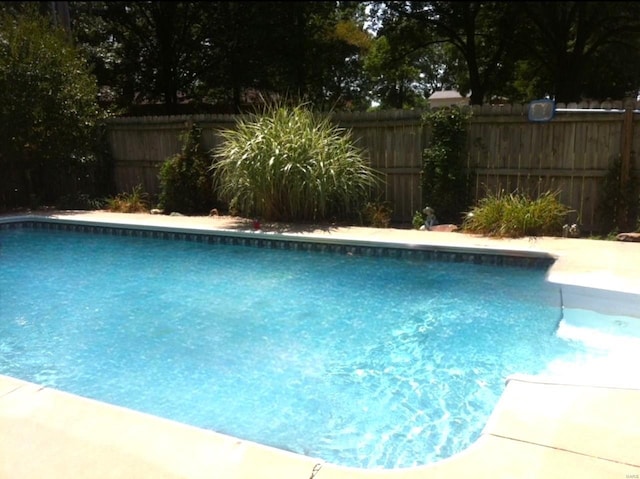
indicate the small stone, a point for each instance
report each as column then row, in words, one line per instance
column 445, row 228
column 632, row 237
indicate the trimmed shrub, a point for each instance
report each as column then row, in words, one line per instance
column 186, row 180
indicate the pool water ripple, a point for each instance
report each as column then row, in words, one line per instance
column 357, row 360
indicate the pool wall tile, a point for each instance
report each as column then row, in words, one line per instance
column 425, row 253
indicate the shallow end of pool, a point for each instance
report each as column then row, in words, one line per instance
column 538, row 430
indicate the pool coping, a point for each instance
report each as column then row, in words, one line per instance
column 539, row 428
column 274, row 240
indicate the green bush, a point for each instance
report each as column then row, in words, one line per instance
column 48, row 115
column 289, row 164
column 517, row 215
column 445, row 182
column 186, row 180
column 418, row 220
column 619, row 206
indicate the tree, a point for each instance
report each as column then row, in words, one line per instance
column 48, row 111
column 142, row 51
column 574, row 50
column 227, row 54
column 480, row 32
column 307, row 51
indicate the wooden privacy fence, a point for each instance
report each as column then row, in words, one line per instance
column 571, row 154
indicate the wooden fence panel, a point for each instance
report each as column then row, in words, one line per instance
column 393, row 142
column 569, row 155
column 139, row 148
column 506, row 152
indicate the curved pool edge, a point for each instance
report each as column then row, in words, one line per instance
column 549, row 430
column 537, row 430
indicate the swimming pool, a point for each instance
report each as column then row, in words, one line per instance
column 396, row 390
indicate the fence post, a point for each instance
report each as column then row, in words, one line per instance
column 625, row 161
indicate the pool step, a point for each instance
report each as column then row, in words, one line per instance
column 596, row 329
column 611, row 303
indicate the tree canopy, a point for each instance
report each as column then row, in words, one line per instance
column 526, row 50
column 162, row 57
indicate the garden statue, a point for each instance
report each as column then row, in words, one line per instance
column 430, row 219
column 572, row 231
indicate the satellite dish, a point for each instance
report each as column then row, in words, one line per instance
column 542, row 110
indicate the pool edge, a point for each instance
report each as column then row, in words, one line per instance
column 73, row 436
column 545, row 258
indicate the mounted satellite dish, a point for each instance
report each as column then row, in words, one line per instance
column 542, row 110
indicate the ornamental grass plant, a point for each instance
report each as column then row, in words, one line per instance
column 517, row 215
column 290, row 164
column 135, row 202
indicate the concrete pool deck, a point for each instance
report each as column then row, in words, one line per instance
column 539, row 428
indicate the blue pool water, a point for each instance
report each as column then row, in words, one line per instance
column 356, row 360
